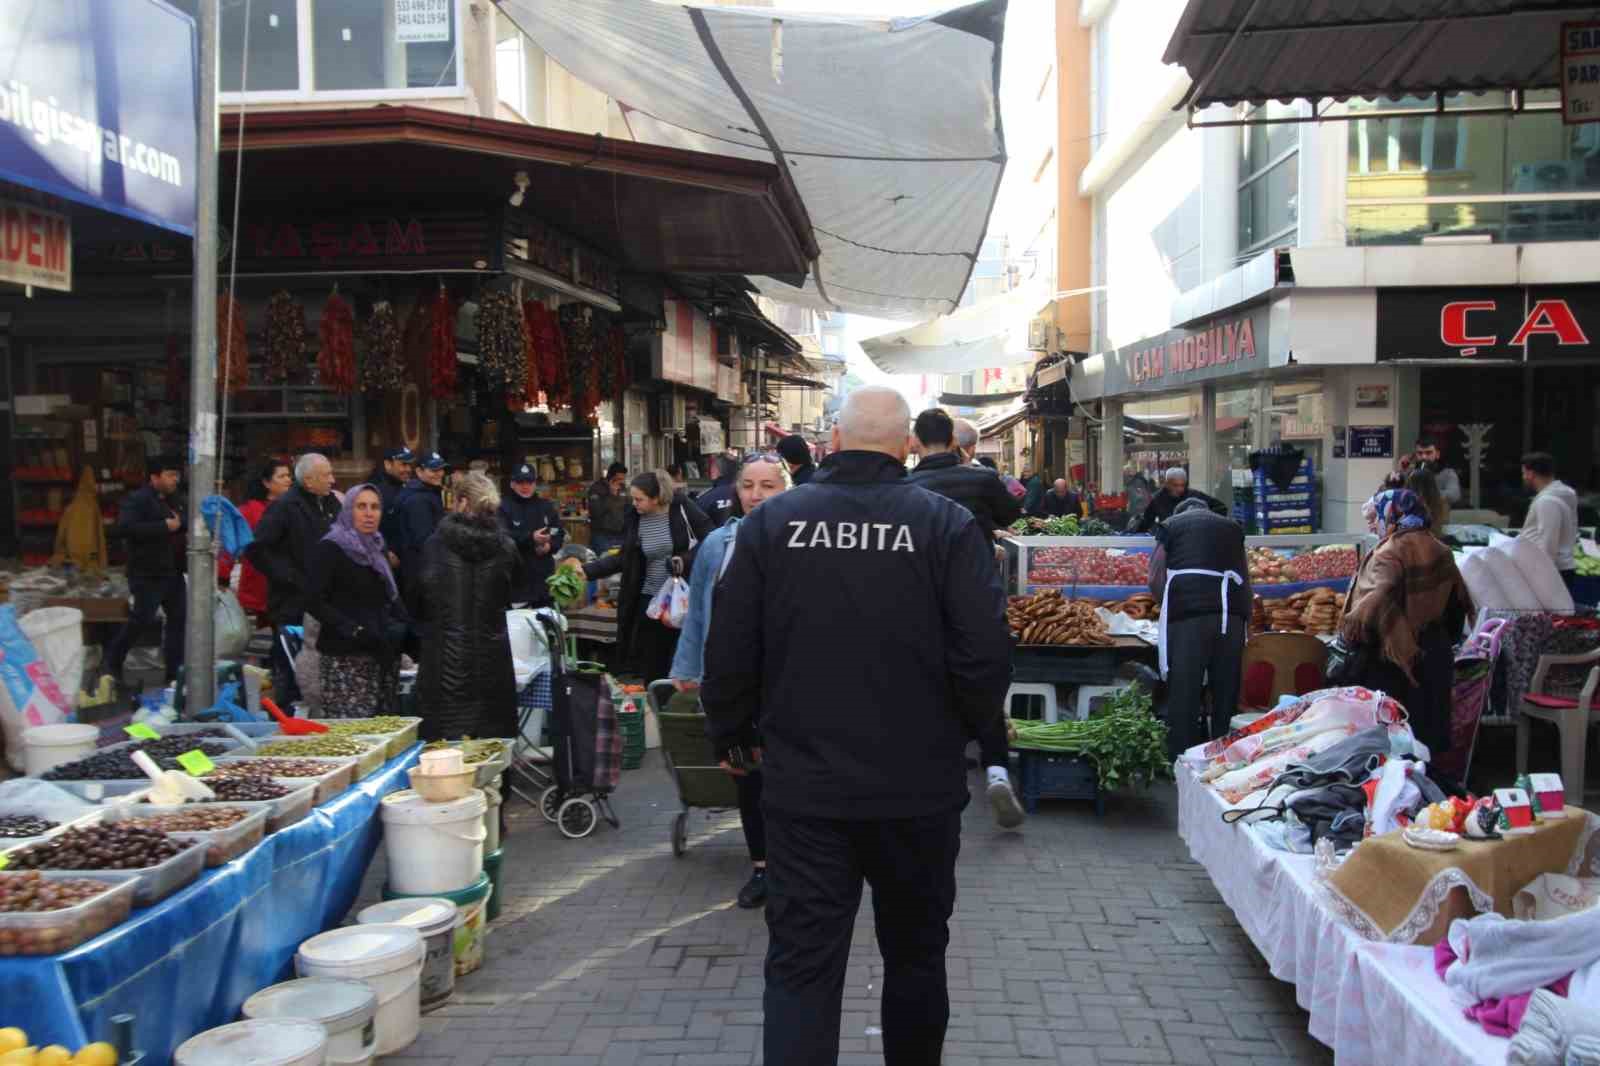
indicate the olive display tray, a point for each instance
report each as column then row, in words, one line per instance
column 285, row 810
column 340, row 776
column 366, row 763
column 66, row 820
column 52, row 932
column 222, row 845
column 394, row 743
column 152, row 884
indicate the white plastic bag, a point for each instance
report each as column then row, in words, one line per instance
column 232, row 626
column 530, row 651
column 670, row 606
column 29, row 694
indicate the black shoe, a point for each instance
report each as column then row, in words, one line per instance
column 754, row 892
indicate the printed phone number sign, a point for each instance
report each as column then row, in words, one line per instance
column 1372, row 442
column 419, row 21
column 1580, row 72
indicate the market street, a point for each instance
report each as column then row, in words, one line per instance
column 1077, row 941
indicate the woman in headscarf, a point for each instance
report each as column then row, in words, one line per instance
column 1408, row 605
column 352, row 594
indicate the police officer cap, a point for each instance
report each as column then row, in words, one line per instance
column 431, row 461
column 400, row 454
column 524, row 473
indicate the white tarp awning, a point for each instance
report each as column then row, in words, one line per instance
column 890, row 127
column 986, row 335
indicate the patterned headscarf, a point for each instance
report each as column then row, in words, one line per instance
column 1399, row 511
column 363, row 549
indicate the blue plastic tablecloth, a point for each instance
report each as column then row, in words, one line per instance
column 189, row 962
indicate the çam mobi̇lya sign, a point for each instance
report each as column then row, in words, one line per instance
column 97, row 105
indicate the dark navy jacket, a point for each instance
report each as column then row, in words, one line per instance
column 863, row 621
column 520, row 519
column 142, row 522
column 389, row 489
column 418, row 512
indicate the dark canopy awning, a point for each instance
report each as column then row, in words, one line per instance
column 1259, row 50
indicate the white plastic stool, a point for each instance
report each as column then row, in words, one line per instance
column 1088, row 694
column 1047, row 692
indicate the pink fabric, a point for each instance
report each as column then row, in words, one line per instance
column 1499, row 1017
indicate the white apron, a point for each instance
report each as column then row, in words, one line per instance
column 1223, row 576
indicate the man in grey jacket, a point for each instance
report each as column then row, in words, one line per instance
column 1552, row 521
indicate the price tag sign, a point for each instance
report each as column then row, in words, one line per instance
column 140, row 731
column 196, row 763
column 4, row 862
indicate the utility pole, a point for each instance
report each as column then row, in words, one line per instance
column 200, row 638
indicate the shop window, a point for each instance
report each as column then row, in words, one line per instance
column 390, row 44
column 302, row 49
column 1510, row 177
column 1269, row 179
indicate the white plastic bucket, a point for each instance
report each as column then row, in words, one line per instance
column 389, row 959
column 433, row 847
column 44, row 747
column 436, row 919
column 57, row 635
column 267, row 1042
column 346, row 1009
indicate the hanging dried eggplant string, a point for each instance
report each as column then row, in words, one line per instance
column 336, row 361
column 286, row 335
column 381, row 366
column 442, row 346
column 529, row 397
column 233, row 344
column 619, row 363
column 502, row 342
column 605, row 363
column 578, row 331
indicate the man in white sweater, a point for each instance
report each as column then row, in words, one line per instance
column 1552, row 521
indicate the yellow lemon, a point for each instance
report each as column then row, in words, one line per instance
column 101, row 1054
column 22, row 1056
column 54, row 1055
column 12, row 1039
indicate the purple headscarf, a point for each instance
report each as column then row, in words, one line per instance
column 363, row 549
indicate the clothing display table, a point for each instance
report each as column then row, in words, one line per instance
column 189, row 962
column 1375, row 1004
column 1388, row 890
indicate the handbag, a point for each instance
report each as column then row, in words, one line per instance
column 1349, row 664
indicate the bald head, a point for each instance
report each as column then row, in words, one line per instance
column 874, row 419
column 966, row 437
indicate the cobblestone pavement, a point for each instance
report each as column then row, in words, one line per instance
column 1077, row 941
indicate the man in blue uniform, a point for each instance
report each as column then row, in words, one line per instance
column 419, row 510
column 863, row 618
column 534, row 525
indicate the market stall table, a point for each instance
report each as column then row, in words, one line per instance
column 593, row 623
column 187, row 963
column 1373, row 1003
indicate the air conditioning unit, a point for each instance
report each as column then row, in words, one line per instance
column 1039, row 334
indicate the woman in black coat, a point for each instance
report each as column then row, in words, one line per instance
column 659, row 538
column 470, row 572
column 350, row 590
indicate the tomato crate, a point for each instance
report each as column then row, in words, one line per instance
column 1056, row 775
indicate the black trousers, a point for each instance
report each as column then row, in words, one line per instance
column 1199, row 658
column 750, row 816
column 170, row 595
column 285, row 686
column 654, row 645
column 815, row 870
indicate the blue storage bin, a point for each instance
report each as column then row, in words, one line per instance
column 1057, row 775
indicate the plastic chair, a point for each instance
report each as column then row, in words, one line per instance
column 1572, row 717
column 1280, row 664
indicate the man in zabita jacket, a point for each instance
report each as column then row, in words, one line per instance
column 863, row 617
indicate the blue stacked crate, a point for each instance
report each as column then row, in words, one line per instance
column 1287, row 510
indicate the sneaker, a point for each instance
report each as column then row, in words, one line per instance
column 754, row 892
column 1007, row 810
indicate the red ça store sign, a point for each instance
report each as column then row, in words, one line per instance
column 1489, row 324
column 1211, row 349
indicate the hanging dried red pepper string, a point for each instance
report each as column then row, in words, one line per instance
column 442, row 346
column 336, row 361
column 530, row 355
column 233, row 344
